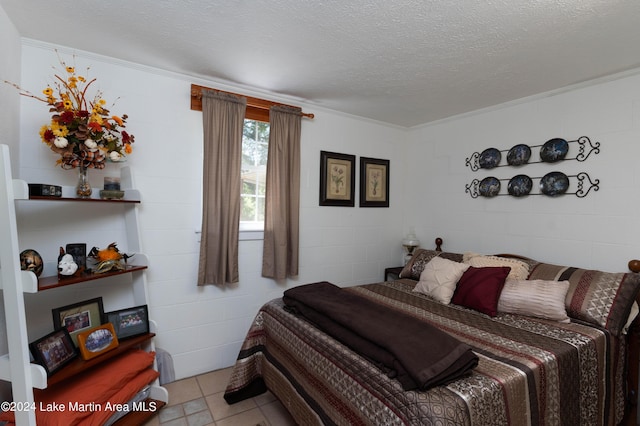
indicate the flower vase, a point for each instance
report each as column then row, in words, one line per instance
column 83, row 189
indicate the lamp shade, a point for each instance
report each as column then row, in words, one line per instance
column 411, row 240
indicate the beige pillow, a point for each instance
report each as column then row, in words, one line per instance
column 535, row 298
column 439, row 278
column 519, row 269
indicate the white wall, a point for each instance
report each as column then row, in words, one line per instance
column 9, row 128
column 599, row 231
column 202, row 327
column 9, row 99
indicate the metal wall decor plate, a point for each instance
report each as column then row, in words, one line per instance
column 518, row 155
column 554, row 150
column 489, row 187
column 554, row 183
column 489, row 158
column 520, row 185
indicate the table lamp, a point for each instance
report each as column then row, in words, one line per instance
column 410, row 243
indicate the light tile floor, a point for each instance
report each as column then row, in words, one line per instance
column 198, row 401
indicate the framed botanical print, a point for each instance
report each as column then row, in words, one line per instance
column 374, row 182
column 337, row 179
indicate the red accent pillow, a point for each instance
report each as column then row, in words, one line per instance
column 480, row 288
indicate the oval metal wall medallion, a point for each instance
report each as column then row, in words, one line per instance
column 489, row 187
column 489, row 158
column 518, row 155
column 520, row 185
column 554, row 150
column 554, row 183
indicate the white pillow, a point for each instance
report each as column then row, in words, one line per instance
column 439, row 279
column 519, row 269
column 535, row 298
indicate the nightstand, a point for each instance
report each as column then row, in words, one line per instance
column 391, row 274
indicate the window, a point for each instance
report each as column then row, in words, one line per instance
column 255, row 143
column 255, row 147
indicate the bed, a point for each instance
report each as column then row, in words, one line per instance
column 555, row 345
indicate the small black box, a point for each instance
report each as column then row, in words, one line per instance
column 44, row 190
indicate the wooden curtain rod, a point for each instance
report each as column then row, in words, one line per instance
column 252, row 103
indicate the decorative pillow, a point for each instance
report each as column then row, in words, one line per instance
column 416, row 265
column 535, row 298
column 413, row 269
column 439, row 278
column 519, row 269
column 635, row 310
column 479, row 288
column 600, row 298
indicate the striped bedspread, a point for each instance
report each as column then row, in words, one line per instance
column 530, row 371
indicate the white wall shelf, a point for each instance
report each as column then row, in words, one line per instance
column 15, row 366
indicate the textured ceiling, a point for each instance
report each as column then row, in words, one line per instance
column 405, row 62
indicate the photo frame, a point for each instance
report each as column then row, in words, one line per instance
column 97, row 340
column 79, row 253
column 374, row 182
column 78, row 316
column 129, row 322
column 54, row 351
column 337, row 179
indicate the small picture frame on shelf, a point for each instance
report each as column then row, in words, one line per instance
column 54, row 350
column 79, row 316
column 79, row 253
column 129, row 322
column 44, row 190
column 97, row 340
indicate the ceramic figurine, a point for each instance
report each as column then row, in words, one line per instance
column 66, row 265
column 30, row 260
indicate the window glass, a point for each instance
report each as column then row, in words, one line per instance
column 255, row 147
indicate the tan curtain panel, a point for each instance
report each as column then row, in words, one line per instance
column 282, row 198
column 223, row 121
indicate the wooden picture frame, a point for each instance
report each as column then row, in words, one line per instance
column 54, row 350
column 97, row 340
column 129, row 322
column 79, row 316
column 337, row 179
column 374, row 182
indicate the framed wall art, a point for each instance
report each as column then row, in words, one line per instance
column 79, row 316
column 97, row 340
column 54, row 350
column 374, row 182
column 337, row 179
column 129, row 322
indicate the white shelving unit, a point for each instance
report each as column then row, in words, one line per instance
column 14, row 283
